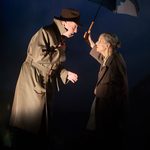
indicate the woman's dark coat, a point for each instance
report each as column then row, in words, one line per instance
column 111, row 91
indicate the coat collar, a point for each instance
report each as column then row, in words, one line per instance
column 60, row 26
column 110, row 58
column 103, row 69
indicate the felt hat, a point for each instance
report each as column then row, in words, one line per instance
column 69, row 14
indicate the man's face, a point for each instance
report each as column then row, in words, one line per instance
column 71, row 28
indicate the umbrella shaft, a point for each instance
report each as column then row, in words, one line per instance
column 91, row 25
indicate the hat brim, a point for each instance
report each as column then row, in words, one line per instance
column 76, row 20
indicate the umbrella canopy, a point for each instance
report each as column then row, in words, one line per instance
column 128, row 7
column 109, row 4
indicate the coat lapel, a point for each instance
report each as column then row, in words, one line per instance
column 102, row 73
column 104, row 69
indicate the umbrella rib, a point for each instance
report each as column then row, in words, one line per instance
column 97, row 12
column 92, row 23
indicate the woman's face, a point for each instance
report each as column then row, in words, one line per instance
column 101, row 45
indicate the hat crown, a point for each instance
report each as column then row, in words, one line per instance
column 70, row 13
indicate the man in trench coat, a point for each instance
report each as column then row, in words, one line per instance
column 40, row 72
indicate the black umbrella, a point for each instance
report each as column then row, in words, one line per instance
column 128, row 7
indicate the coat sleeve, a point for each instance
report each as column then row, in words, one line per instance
column 95, row 54
column 63, row 76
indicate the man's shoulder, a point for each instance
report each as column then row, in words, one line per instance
column 52, row 29
column 49, row 27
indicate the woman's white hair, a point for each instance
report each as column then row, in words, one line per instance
column 112, row 39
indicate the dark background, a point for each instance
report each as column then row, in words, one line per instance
column 21, row 19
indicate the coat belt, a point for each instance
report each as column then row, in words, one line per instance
column 45, row 71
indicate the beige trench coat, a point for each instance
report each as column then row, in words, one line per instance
column 30, row 93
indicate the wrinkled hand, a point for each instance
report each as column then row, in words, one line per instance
column 73, row 77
